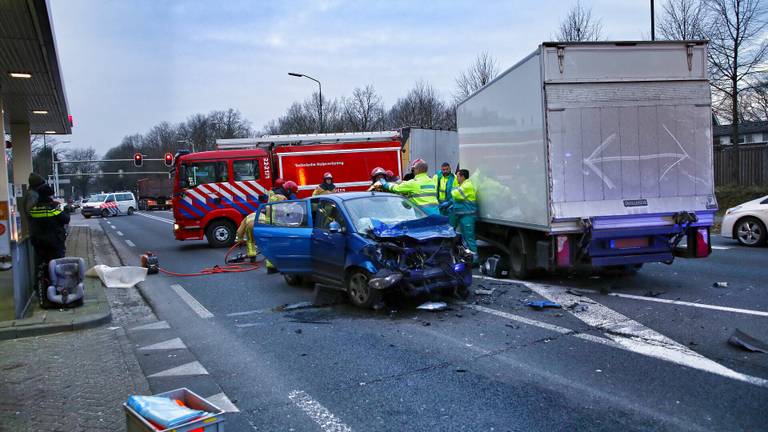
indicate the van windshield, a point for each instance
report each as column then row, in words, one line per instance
column 97, row 198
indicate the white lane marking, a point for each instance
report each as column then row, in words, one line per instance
column 113, row 227
column 248, row 312
column 222, row 401
column 546, row 326
column 159, row 325
column 193, row 368
column 324, row 418
column 157, row 218
column 171, row 344
column 130, row 243
column 721, row 247
column 250, row 325
column 120, row 233
column 635, row 337
column 683, row 303
column 199, row 309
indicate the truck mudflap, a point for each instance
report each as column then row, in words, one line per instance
column 633, row 240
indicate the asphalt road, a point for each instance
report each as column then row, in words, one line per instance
column 627, row 359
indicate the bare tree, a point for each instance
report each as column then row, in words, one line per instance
column 682, row 20
column 421, row 107
column 81, row 182
column 736, row 52
column 579, row 25
column 480, row 73
column 364, row 111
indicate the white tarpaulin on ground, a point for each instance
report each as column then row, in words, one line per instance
column 118, row 277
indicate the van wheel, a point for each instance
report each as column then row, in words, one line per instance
column 130, row 211
column 518, row 260
column 105, row 213
column 220, row 233
column 358, row 290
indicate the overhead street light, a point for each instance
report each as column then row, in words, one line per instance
column 23, row 75
column 320, row 87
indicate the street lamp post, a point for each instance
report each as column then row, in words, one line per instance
column 320, row 87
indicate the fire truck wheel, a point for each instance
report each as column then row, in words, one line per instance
column 220, row 233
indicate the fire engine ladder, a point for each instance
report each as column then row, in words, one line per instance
column 303, row 139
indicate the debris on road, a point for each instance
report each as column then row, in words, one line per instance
column 652, row 293
column 575, row 292
column 297, row 331
column 577, row 307
column 541, row 304
column 433, row 306
column 484, row 291
column 720, row 285
column 746, row 342
column 294, row 306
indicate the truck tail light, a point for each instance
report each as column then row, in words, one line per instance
column 563, row 251
column 702, row 247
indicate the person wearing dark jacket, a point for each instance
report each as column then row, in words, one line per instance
column 48, row 226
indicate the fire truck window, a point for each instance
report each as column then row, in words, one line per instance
column 223, row 173
column 201, row 173
column 246, row 170
column 290, row 214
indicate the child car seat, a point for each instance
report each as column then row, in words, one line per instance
column 67, row 280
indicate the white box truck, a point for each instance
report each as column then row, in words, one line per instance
column 594, row 153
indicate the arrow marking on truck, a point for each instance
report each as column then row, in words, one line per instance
column 595, row 157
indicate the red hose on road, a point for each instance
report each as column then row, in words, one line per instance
column 226, row 268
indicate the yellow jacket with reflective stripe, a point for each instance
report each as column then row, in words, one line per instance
column 444, row 185
column 420, row 190
column 464, row 198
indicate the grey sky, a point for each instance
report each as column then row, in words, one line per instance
column 128, row 65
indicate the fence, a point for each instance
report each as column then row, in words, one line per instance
column 751, row 163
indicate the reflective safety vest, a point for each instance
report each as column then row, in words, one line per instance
column 420, row 190
column 444, row 185
column 465, row 198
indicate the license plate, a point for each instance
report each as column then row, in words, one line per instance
column 630, row 243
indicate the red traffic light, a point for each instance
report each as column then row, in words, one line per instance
column 168, row 159
column 138, row 159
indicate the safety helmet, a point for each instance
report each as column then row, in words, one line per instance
column 279, row 182
column 378, row 171
column 416, row 162
column 291, row 186
column 390, row 174
column 328, row 175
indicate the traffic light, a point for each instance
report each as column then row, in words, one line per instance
column 138, row 159
column 168, row 159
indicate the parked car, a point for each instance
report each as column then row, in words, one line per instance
column 366, row 244
column 109, row 204
column 747, row 222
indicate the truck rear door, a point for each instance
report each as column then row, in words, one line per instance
column 629, row 129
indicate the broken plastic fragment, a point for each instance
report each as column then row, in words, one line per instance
column 433, row 306
column 541, row 304
column 720, row 285
column 747, row 342
column 483, row 291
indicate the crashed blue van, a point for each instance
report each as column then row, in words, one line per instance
column 365, row 243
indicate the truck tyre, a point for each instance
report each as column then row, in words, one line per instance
column 518, row 260
column 360, row 294
column 220, row 233
column 293, row 279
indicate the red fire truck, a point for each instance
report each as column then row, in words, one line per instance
column 214, row 190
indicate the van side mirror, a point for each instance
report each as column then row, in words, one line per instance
column 334, row 227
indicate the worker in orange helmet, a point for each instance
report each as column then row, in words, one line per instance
column 391, row 177
column 326, row 187
column 420, row 190
column 377, row 174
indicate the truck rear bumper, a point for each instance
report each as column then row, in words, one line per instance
column 618, row 260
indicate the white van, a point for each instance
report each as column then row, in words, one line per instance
column 109, row 204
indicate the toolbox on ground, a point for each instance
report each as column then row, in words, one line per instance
column 211, row 422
